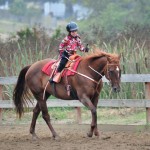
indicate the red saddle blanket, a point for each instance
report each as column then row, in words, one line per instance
column 47, row 69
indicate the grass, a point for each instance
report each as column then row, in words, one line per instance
column 122, row 116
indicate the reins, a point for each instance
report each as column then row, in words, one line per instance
column 81, row 74
column 95, row 71
column 97, row 82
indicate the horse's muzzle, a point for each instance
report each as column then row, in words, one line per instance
column 116, row 89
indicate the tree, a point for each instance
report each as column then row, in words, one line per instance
column 114, row 14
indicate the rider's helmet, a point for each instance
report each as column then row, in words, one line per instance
column 72, row 26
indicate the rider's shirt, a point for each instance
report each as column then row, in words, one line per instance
column 70, row 43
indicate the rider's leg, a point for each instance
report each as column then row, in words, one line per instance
column 61, row 66
column 63, row 61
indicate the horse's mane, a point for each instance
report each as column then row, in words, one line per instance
column 96, row 53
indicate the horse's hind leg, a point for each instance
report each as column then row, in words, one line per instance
column 41, row 106
column 36, row 112
column 46, row 117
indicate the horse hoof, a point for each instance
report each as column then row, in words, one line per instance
column 57, row 138
column 96, row 134
column 35, row 137
column 89, row 134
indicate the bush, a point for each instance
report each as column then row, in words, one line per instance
column 30, row 45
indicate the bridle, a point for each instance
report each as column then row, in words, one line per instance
column 107, row 71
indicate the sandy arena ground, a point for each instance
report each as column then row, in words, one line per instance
column 73, row 137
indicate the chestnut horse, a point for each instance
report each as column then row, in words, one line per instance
column 86, row 85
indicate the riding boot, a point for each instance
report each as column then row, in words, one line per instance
column 57, row 77
column 61, row 66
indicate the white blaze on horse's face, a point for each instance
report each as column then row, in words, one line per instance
column 117, row 69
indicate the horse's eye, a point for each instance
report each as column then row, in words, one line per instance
column 110, row 71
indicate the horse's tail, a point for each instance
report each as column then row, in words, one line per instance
column 20, row 92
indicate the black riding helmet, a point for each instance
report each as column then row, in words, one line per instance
column 72, row 26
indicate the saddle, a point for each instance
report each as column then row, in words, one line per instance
column 72, row 60
column 51, row 67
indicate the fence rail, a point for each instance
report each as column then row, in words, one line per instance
column 126, row 78
column 134, row 103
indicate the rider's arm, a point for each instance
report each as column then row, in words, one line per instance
column 79, row 44
column 62, row 45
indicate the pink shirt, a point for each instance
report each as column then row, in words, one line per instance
column 70, row 43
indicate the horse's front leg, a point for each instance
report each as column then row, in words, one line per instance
column 94, row 125
column 94, row 115
column 87, row 102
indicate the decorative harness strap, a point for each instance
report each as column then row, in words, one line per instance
column 95, row 71
column 86, row 75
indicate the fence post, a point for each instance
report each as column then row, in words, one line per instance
column 78, row 110
column 147, row 96
column 1, row 108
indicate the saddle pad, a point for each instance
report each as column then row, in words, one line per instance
column 47, row 68
column 74, row 67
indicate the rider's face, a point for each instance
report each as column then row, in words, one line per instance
column 73, row 33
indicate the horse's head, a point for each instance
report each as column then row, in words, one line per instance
column 110, row 67
column 113, row 73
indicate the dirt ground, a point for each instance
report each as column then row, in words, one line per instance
column 72, row 137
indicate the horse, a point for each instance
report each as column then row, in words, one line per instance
column 86, row 85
